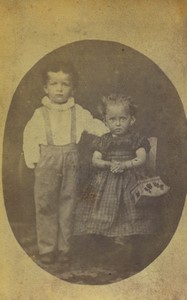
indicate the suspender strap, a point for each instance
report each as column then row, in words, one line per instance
column 47, row 126
column 73, row 125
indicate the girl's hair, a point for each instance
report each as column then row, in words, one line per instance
column 116, row 99
column 57, row 66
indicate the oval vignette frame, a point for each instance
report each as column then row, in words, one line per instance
column 103, row 67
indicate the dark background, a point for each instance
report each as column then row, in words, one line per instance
column 103, row 67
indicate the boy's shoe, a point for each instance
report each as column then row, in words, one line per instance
column 62, row 257
column 47, row 258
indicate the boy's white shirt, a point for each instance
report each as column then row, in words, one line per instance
column 60, row 119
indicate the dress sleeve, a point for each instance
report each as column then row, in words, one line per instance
column 97, row 144
column 140, row 142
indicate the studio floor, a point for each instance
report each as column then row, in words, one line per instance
column 94, row 260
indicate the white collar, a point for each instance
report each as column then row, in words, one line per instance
column 64, row 106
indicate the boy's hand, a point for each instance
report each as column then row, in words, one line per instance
column 31, row 166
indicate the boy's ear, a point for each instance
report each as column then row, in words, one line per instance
column 133, row 120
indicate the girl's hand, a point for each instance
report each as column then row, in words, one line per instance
column 116, row 167
column 119, row 167
column 124, row 165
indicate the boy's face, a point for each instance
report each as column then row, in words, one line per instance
column 118, row 119
column 58, row 87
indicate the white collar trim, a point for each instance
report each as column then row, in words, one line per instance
column 64, row 106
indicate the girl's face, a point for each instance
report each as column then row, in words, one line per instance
column 118, row 119
column 59, row 87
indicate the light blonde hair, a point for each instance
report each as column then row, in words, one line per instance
column 116, row 99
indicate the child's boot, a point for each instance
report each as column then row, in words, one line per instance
column 62, row 257
column 47, row 258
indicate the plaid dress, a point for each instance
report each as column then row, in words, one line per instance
column 106, row 206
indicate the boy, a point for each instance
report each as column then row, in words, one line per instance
column 50, row 147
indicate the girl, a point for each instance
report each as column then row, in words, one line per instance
column 107, row 206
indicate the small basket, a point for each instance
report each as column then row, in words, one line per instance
column 149, row 187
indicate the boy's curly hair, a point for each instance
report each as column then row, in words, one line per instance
column 60, row 65
column 116, row 99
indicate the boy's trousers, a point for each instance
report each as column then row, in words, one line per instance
column 55, row 191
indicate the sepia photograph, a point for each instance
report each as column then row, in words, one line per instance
column 93, row 150
column 94, row 173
